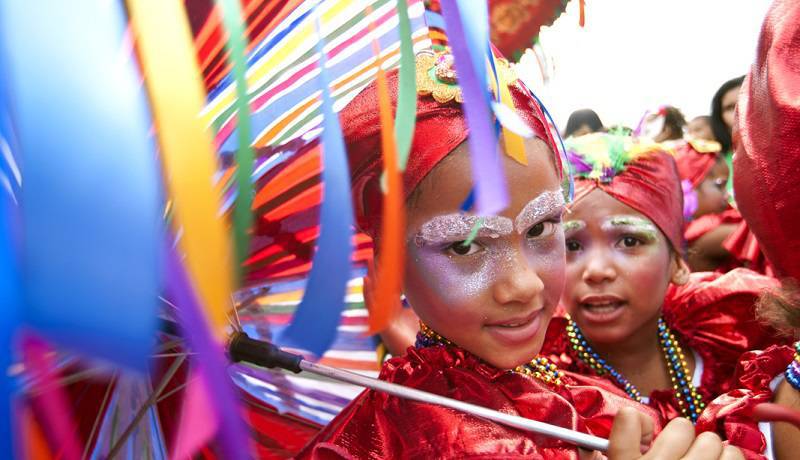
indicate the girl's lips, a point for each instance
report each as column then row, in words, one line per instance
column 601, row 309
column 516, row 331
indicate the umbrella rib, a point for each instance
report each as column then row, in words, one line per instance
column 100, row 414
column 151, row 400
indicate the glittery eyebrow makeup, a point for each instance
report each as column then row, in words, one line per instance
column 640, row 226
column 573, row 226
column 457, row 227
column 542, row 206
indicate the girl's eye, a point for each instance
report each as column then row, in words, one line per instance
column 460, row 249
column 629, row 242
column 542, row 229
column 573, row 246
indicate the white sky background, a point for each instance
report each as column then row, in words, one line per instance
column 635, row 55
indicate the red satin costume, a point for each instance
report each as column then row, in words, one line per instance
column 768, row 194
column 376, row 425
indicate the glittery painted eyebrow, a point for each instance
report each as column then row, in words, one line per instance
column 573, row 226
column 538, row 208
column 456, row 227
column 633, row 223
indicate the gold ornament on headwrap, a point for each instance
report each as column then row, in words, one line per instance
column 436, row 76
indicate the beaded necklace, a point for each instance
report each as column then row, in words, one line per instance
column 689, row 400
column 793, row 370
column 539, row 367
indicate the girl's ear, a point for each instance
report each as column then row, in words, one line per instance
column 680, row 274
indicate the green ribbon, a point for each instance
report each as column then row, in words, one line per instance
column 406, row 116
column 242, row 214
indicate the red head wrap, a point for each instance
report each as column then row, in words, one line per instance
column 767, row 160
column 695, row 160
column 440, row 128
column 643, row 177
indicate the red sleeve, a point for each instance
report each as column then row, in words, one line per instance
column 704, row 224
column 744, row 248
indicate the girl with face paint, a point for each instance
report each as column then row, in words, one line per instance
column 636, row 316
column 484, row 304
column 717, row 237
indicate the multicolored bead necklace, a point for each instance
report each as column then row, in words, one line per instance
column 689, row 400
column 793, row 370
column 539, row 367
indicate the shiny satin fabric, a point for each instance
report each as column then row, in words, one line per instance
column 713, row 315
column 694, row 165
column 651, row 186
column 378, row 426
column 730, row 414
column 440, row 128
column 767, row 159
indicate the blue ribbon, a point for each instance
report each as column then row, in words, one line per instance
column 91, row 200
column 315, row 321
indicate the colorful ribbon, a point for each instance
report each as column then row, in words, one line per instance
column 389, row 271
column 406, row 115
column 314, row 324
column 91, row 201
column 468, row 35
column 242, row 213
column 176, row 94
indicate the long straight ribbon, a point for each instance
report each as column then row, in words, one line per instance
column 406, row 115
column 10, row 295
column 314, row 324
column 242, row 213
column 176, row 95
column 210, row 364
column 91, row 203
column 386, row 302
column 468, row 35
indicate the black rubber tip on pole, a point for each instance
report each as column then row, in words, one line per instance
column 260, row 353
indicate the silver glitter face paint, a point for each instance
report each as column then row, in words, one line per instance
column 573, row 226
column 457, row 227
column 538, row 208
column 633, row 224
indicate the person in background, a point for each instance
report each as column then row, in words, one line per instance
column 674, row 122
column 700, row 128
column 582, row 122
column 723, row 107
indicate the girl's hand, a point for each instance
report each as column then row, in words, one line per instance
column 632, row 433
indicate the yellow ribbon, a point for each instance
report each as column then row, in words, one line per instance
column 176, row 96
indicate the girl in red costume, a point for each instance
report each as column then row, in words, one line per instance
column 717, row 237
column 484, row 305
column 666, row 337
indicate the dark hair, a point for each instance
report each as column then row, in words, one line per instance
column 780, row 308
column 582, row 117
column 674, row 121
column 722, row 132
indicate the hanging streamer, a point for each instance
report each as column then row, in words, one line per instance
column 406, row 116
column 210, row 364
column 468, row 35
column 176, row 95
column 50, row 400
column 10, row 295
column 582, row 19
column 314, row 324
column 389, row 272
column 91, row 200
column 514, row 145
column 242, row 213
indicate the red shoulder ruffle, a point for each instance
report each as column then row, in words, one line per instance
column 731, row 413
column 376, row 425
